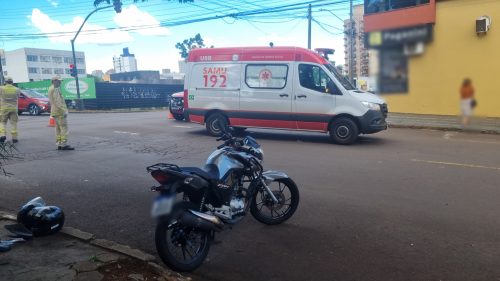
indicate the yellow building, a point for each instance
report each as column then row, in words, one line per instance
column 456, row 51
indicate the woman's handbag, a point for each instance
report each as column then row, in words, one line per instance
column 473, row 103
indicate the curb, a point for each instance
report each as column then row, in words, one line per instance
column 111, row 246
column 489, row 132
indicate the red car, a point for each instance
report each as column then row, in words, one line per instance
column 33, row 102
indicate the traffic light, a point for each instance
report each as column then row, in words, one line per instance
column 72, row 70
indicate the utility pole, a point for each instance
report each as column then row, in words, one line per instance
column 1, row 72
column 309, row 18
column 351, row 44
column 79, row 102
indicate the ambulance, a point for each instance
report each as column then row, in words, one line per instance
column 287, row 88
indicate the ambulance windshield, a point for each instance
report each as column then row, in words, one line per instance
column 347, row 85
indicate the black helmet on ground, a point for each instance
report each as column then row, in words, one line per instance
column 40, row 219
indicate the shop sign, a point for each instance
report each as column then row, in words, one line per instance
column 401, row 36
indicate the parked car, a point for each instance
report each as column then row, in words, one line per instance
column 176, row 106
column 33, row 102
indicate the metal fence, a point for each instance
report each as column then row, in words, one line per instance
column 125, row 95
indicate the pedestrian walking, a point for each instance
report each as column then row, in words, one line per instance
column 467, row 101
column 59, row 112
column 9, row 95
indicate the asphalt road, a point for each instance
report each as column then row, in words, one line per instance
column 399, row 205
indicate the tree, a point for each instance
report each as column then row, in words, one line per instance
column 189, row 44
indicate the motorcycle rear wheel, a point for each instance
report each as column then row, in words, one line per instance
column 287, row 193
column 181, row 248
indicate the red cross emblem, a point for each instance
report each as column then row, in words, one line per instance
column 265, row 74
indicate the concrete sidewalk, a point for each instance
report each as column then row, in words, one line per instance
column 76, row 255
column 444, row 122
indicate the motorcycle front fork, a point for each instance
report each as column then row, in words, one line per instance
column 271, row 194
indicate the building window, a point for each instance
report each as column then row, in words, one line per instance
column 31, row 58
column 32, row 70
column 3, row 61
column 379, row 6
column 313, row 77
column 68, row 60
column 46, row 70
column 270, row 76
column 5, row 73
column 58, row 71
column 45, row 58
column 67, row 71
column 393, row 71
column 57, row 59
column 81, row 71
column 80, row 60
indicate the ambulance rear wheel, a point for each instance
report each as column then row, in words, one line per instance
column 216, row 124
column 344, row 131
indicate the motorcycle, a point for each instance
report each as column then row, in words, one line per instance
column 195, row 203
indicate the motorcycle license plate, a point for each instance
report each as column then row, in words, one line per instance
column 162, row 206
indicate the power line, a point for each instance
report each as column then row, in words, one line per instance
column 246, row 15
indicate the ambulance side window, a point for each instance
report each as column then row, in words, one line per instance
column 266, row 76
column 314, row 78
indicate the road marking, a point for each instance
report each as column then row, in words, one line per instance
column 457, row 164
column 121, row 132
column 448, row 135
column 477, row 141
column 453, row 137
column 187, row 127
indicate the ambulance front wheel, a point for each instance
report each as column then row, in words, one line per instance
column 344, row 131
column 214, row 123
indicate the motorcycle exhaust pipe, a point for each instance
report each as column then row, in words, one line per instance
column 202, row 221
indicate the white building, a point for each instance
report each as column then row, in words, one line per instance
column 31, row 64
column 126, row 62
column 182, row 66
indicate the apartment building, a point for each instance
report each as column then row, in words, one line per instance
column 361, row 56
column 126, row 62
column 33, row 64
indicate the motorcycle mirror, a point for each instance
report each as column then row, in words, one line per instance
column 225, row 132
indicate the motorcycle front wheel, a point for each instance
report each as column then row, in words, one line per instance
column 181, row 248
column 265, row 210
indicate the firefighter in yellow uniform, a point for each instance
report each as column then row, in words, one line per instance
column 8, row 109
column 59, row 111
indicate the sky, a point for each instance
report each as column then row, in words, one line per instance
column 151, row 29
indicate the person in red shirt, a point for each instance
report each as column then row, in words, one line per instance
column 467, row 100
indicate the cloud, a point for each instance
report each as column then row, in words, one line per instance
column 58, row 32
column 54, row 3
column 131, row 16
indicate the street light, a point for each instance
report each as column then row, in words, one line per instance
column 325, row 10
column 79, row 101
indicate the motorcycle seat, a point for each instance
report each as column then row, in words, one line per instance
column 209, row 172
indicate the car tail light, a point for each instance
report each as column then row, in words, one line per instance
column 186, row 99
column 161, row 177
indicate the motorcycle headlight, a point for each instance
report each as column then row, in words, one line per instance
column 371, row 105
column 259, row 153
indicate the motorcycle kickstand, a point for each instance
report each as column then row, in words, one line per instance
column 212, row 237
